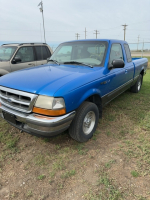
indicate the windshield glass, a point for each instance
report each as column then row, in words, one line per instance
column 6, row 52
column 88, row 52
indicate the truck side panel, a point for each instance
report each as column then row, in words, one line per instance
column 140, row 64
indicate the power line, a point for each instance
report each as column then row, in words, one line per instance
column 96, row 32
column 15, row 29
column 140, row 22
column 137, row 30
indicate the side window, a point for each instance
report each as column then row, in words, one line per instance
column 41, row 52
column 48, row 52
column 115, row 53
column 128, row 53
column 25, row 54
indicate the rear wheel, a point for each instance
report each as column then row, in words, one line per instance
column 85, row 122
column 137, row 86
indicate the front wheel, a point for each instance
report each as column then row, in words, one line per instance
column 85, row 122
column 137, row 86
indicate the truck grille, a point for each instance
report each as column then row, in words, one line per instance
column 17, row 100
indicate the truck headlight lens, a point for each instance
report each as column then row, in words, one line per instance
column 44, row 102
column 49, row 106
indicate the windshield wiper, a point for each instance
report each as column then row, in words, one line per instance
column 76, row 62
column 55, row 61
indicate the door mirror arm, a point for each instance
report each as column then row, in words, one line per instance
column 110, row 66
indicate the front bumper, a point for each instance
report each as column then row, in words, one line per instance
column 38, row 124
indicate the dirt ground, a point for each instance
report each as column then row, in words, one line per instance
column 113, row 165
column 140, row 54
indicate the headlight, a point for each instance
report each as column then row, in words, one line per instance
column 58, row 103
column 49, row 106
column 44, row 102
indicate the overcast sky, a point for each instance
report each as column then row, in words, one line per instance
column 21, row 20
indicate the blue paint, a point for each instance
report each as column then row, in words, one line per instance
column 75, row 83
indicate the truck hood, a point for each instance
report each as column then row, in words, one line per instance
column 47, row 79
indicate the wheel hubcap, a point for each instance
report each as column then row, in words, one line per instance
column 89, row 122
column 139, row 85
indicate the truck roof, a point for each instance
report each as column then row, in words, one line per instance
column 20, row 44
column 108, row 40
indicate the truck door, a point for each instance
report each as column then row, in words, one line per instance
column 26, row 56
column 116, row 77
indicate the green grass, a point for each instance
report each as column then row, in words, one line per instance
column 120, row 147
column 109, row 164
column 41, row 177
column 40, row 160
column 68, row 174
column 134, row 173
column 9, row 140
column 29, row 193
column 106, row 190
column 59, row 165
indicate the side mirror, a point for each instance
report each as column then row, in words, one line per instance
column 117, row 64
column 16, row 60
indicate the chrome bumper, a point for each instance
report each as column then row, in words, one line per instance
column 38, row 124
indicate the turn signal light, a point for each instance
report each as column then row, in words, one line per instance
column 49, row 112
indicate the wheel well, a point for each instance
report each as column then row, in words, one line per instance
column 98, row 101
column 142, row 72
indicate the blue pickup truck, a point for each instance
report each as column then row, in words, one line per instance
column 70, row 91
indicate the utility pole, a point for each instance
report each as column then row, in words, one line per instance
column 124, row 30
column 41, row 10
column 96, row 32
column 77, row 35
column 85, row 33
column 138, row 42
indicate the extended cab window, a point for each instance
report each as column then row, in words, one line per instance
column 25, row 54
column 42, row 52
column 115, row 53
column 128, row 53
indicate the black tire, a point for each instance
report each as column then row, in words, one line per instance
column 85, row 122
column 137, row 86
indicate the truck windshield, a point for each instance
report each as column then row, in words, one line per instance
column 6, row 52
column 88, row 52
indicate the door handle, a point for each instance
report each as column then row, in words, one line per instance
column 31, row 64
column 126, row 71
